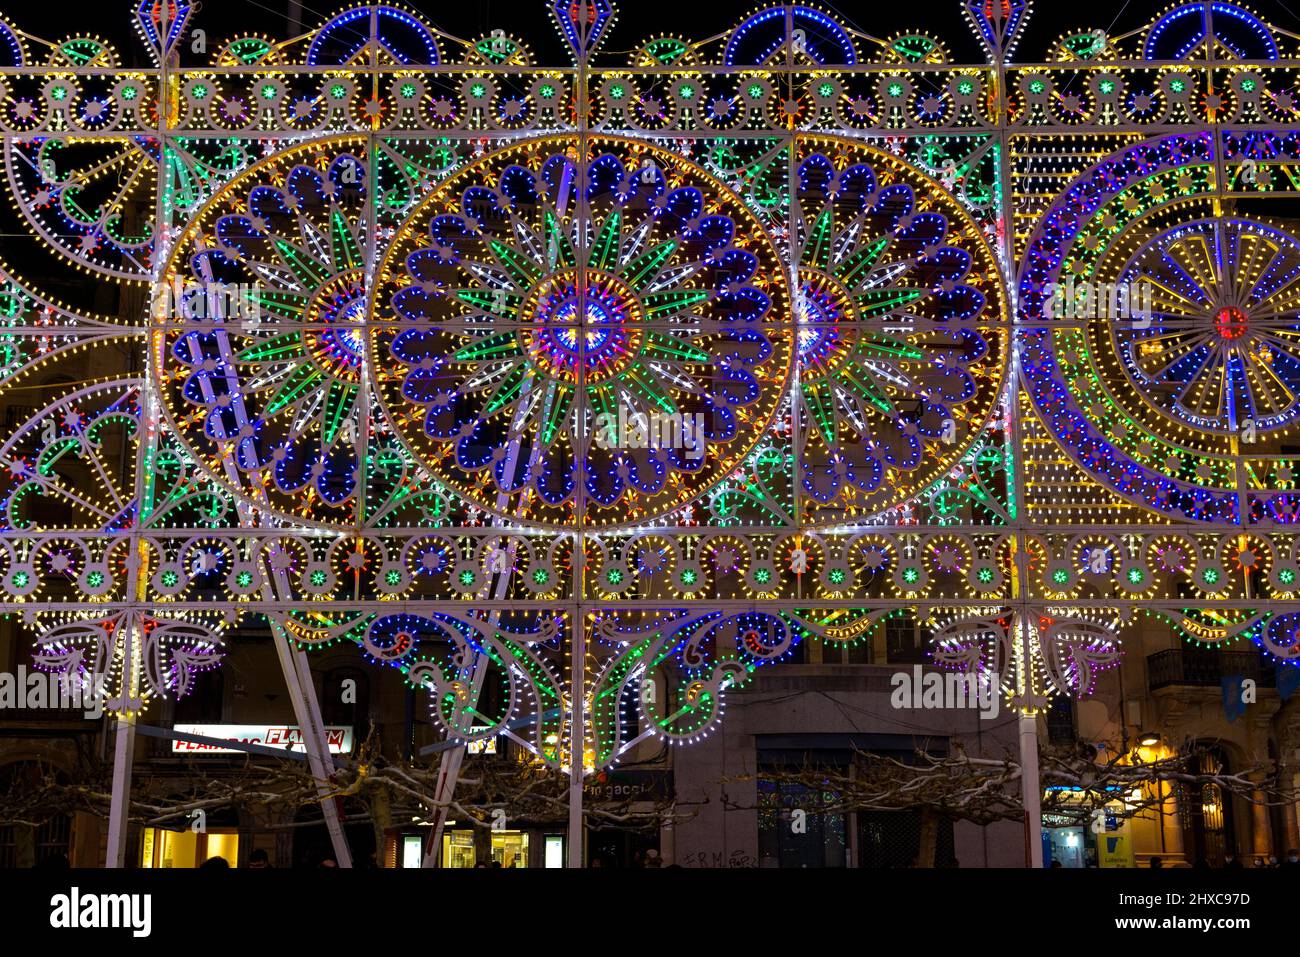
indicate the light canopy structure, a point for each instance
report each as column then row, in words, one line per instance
column 601, row 384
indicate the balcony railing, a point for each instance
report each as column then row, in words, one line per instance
column 1181, row 666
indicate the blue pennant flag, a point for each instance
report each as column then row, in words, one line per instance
column 1288, row 679
column 1233, row 706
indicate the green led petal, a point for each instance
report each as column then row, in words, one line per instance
column 495, row 302
column 644, row 268
column 605, row 250
column 340, row 397
column 884, row 301
column 509, row 389
column 285, row 345
column 661, row 346
column 500, row 346
column 523, row 271
column 663, row 305
column 300, row 381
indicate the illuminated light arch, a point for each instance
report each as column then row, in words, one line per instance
column 958, row 531
column 814, row 37
column 1181, row 31
column 389, row 32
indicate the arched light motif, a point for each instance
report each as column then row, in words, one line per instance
column 665, row 364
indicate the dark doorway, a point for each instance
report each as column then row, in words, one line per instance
column 893, row 839
column 311, row 838
column 1207, row 815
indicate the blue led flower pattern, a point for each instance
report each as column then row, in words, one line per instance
column 528, row 375
column 264, row 309
column 901, row 331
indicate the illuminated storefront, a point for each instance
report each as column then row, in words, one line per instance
column 176, row 849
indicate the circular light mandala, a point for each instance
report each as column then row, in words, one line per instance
column 1159, row 402
column 264, row 308
column 1221, row 350
column 608, row 329
column 901, row 328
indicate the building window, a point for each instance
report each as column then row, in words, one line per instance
column 8, row 846
column 553, row 855
column 791, row 832
column 458, row 849
column 904, row 642
column 1060, row 721
column 165, row 849
column 509, row 848
column 27, row 845
column 412, row 850
column 846, row 653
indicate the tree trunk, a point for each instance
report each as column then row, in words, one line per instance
column 929, row 846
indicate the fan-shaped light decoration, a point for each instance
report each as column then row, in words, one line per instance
column 902, row 328
column 511, row 359
column 368, row 329
column 137, row 655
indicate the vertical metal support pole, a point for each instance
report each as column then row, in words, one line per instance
column 577, row 851
column 577, row 747
column 120, row 807
column 306, row 709
column 1031, row 792
column 132, row 653
column 448, row 775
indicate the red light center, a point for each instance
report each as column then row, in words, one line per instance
column 1230, row 322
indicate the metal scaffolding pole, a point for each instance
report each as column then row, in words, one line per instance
column 123, row 760
column 306, row 708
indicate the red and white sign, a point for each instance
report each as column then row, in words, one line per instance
column 284, row 737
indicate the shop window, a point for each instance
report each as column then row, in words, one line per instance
column 789, row 834
column 506, row 849
column 412, row 850
column 458, row 849
column 1070, row 846
column 553, row 855
column 510, row 848
column 165, row 849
